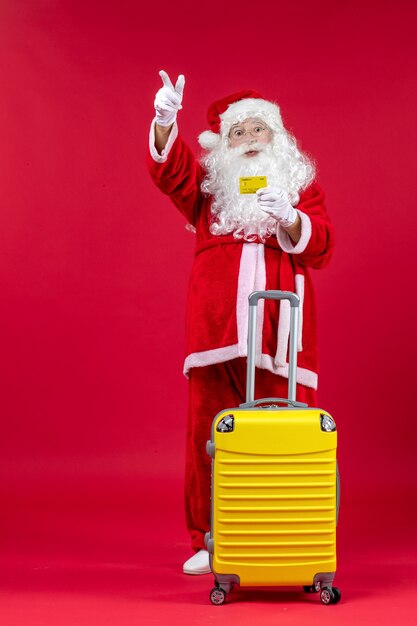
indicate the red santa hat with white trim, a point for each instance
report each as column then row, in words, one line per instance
column 235, row 108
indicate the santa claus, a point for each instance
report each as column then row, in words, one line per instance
column 260, row 223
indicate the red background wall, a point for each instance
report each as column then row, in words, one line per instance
column 94, row 261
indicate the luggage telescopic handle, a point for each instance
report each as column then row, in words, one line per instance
column 292, row 365
column 249, row 405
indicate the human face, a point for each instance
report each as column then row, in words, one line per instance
column 250, row 131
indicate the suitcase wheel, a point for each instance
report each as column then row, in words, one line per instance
column 330, row 595
column 312, row 588
column 217, row 596
column 337, row 594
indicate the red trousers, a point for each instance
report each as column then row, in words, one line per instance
column 212, row 389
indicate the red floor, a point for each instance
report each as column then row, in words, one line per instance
column 71, row 562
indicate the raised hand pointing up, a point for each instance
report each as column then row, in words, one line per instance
column 168, row 99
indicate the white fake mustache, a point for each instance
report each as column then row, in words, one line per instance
column 246, row 147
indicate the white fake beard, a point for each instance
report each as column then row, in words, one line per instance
column 232, row 211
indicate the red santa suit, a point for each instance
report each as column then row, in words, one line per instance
column 225, row 271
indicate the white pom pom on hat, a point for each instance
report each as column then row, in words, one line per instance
column 208, row 140
column 237, row 107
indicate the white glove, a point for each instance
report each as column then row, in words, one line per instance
column 275, row 202
column 168, row 99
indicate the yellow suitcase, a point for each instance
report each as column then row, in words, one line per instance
column 275, row 487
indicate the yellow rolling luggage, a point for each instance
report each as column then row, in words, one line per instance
column 275, row 486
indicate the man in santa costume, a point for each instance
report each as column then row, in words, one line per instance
column 268, row 239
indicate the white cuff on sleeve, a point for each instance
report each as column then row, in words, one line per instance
column 161, row 158
column 284, row 239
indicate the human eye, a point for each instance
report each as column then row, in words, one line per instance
column 237, row 132
column 259, row 129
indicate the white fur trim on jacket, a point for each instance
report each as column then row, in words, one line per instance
column 284, row 239
column 284, row 324
column 247, row 281
column 260, row 285
column 211, row 357
column 220, row 355
column 304, row 376
column 252, row 277
column 161, row 158
column 283, row 333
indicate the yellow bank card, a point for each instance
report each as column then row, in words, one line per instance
column 251, row 184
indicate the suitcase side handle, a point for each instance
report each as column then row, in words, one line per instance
column 292, row 365
column 294, row 403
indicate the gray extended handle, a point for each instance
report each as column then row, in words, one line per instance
column 292, row 365
column 294, row 403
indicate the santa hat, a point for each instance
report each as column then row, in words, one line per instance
column 235, row 108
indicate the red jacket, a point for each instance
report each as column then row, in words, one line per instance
column 227, row 270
